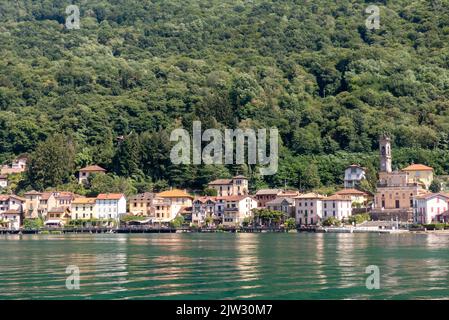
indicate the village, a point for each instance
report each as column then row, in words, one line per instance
column 402, row 198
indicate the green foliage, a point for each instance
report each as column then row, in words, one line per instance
column 33, row 223
column 331, row 221
column 435, row 186
column 210, row 192
column 312, row 70
column 52, row 163
column 359, row 218
column 268, row 217
column 177, row 222
column 290, row 223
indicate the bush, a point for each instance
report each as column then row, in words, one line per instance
column 331, row 221
column 177, row 222
column 359, row 218
column 33, row 223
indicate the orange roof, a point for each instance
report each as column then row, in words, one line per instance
column 417, row 167
column 337, row 197
column 110, row 196
column 310, row 195
column 350, row 192
column 175, row 193
column 93, row 168
column 84, row 200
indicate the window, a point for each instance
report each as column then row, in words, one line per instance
column 397, row 204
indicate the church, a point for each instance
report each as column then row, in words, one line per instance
column 396, row 189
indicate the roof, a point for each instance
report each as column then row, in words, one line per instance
column 350, row 191
column 336, row 197
column 63, row 194
column 3, row 176
column 142, row 196
column 310, row 195
column 239, row 177
column 220, row 181
column 93, row 168
column 355, row 166
column 7, row 170
column 428, row 196
column 57, row 210
column 84, row 200
column 7, row 197
column 234, row 198
column 205, row 199
column 11, row 212
column 110, row 196
column 268, row 191
column 175, row 193
column 33, row 192
column 417, row 167
column 279, row 201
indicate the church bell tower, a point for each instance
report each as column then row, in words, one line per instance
column 385, row 153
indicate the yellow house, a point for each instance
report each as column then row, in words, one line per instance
column 419, row 173
column 83, row 209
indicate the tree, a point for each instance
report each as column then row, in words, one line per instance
column 435, row 186
column 52, row 163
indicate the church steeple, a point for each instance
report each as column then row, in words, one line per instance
column 385, row 153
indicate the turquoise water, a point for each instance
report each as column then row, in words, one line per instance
column 224, row 266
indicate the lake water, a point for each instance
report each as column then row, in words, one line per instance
column 224, row 266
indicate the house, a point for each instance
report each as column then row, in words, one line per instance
column 32, row 202
column 237, row 208
column 358, row 198
column 3, row 181
column 428, row 207
column 17, row 166
column 47, row 201
column 164, row 211
column 83, row 209
column 238, row 185
column 419, row 173
column 85, row 172
column 354, row 174
column 141, row 204
column 11, row 211
column 204, row 207
column 110, row 205
column 57, row 217
column 266, row 195
column 395, row 189
column 64, row 198
column 284, row 204
column 309, row 208
column 179, row 199
column 337, row 206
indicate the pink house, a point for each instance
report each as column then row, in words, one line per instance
column 427, row 207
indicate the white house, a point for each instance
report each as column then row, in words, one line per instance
column 354, row 174
column 11, row 209
column 427, row 207
column 110, row 206
column 336, row 206
column 237, row 208
column 309, row 208
column 202, row 208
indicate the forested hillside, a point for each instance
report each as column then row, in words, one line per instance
column 140, row 68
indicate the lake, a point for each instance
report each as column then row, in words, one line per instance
column 224, row 266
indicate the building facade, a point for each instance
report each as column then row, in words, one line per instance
column 85, row 172
column 110, row 205
column 354, row 174
column 236, row 186
column 309, row 208
column 428, row 207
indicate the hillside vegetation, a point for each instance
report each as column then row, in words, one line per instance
column 140, row 68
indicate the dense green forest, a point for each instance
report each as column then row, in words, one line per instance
column 111, row 92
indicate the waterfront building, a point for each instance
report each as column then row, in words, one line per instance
column 284, row 204
column 337, row 206
column 263, row 196
column 238, row 185
column 202, row 208
column 354, row 174
column 141, row 204
column 110, row 205
column 32, row 201
column 85, row 172
column 179, row 199
column 57, row 216
column 358, row 198
column 164, row 210
column 309, row 208
column 3, row 181
column 430, row 207
column 11, row 211
column 419, row 173
column 395, row 189
column 236, row 209
column 83, row 209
